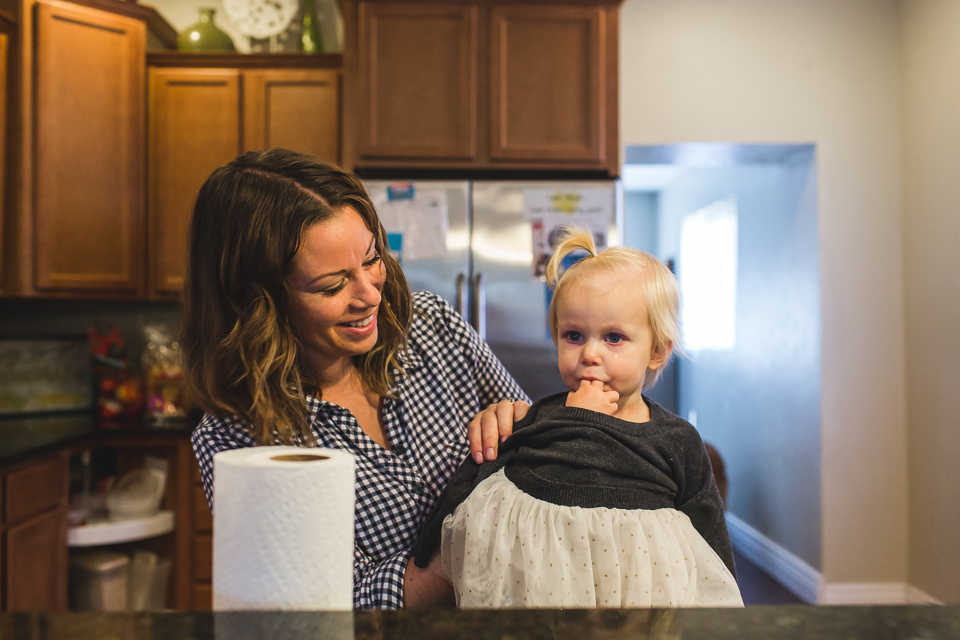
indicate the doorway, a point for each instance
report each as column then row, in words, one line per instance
column 750, row 380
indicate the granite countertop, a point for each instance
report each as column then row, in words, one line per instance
column 25, row 437
column 793, row 622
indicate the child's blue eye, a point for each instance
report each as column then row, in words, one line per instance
column 572, row 336
column 614, row 338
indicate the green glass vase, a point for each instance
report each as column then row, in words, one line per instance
column 204, row 36
column 309, row 34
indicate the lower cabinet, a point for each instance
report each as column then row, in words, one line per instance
column 202, row 548
column 35, row 566
column 35, row 536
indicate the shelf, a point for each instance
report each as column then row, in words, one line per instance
column 113, row 532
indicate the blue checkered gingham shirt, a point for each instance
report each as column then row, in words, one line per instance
column 450, row 375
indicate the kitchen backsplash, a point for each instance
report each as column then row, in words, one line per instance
column 33, row 318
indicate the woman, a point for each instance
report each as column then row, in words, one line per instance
column 298, row 328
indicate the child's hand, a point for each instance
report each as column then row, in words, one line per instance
column 590, row 395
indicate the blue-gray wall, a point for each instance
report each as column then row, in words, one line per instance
column 640, row 220
column 759, row 404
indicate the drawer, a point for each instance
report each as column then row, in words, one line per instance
column 203, row 558
column 34, row 489
column 202, row 518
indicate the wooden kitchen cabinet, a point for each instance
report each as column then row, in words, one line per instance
column 194, row 128
column 203, row 117
column 128, row 452
column 88, row 221
column 297, row 109
column 417, row 81
column 6, row 29
column 202, row 547
column 34, row 533
column 76, row 165
column 481, row 85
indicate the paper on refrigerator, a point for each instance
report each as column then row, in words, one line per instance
column 421, row 220
column 550, row 211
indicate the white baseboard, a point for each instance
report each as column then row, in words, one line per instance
column 807, row 583
column 794, row 574
column 874, row 593
column 915, row 596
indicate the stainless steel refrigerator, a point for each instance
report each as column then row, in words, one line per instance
column 482, row 246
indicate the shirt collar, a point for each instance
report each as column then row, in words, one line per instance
column 409, row 359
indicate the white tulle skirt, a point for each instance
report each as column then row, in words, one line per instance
column 504, row 548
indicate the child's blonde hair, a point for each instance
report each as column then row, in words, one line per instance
column 657, row 285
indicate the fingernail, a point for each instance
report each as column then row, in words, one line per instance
column 489, row 453
column 502, row 438
column 478, row 457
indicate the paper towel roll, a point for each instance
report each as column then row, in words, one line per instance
column 283, row 529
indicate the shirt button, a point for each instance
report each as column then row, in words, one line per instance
column 418, row 488
column 400, row 449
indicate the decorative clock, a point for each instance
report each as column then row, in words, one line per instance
column 261, row 18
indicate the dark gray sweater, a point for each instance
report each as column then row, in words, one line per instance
column 580, row 458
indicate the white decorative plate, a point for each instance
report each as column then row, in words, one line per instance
column 261, row 18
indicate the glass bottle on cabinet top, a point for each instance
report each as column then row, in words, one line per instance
column 204, row 35
column 309, row 35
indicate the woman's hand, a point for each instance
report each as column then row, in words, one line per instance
column 590, row 395
column 424, row 588
column 491, row 426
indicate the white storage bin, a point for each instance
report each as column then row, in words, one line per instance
column 98, row 580
column 149, row 576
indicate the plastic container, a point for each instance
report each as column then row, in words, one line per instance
column 98, row 580
column 136, row 495
column 148, row 582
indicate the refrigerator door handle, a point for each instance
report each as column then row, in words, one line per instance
column 461, row 299
column 479, row 307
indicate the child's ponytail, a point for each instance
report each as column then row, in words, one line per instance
column 573, row 239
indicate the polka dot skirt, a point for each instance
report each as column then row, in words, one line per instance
column 504, row 548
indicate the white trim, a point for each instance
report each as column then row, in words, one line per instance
column 874, row 593
column 806, row 582
column 916, row 596
column 794, row 574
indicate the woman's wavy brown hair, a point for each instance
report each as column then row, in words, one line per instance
column 242, row 353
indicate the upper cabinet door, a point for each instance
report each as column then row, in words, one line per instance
column 90, row 159
column 297, row 109
column 548, row 82
column 4, row 46
column 194, row 128
column 417, row 80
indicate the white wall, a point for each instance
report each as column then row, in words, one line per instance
column 930, row 33
column 827, row 73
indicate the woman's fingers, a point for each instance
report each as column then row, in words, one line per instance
column 492, row 426
column 520, row 408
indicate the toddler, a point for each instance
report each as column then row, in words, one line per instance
column 600, row 498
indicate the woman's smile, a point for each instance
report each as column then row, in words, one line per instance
column 363, row 323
